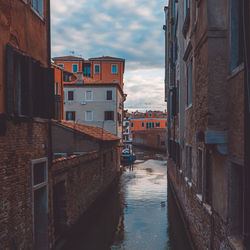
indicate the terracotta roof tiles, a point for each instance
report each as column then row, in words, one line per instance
column 95, row 132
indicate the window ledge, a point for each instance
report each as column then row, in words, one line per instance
column 236, row 71
column 207, row 208
column 38, row 14
column 188, row 107
column 199, row 198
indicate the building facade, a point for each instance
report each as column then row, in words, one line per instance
column 146, row 121
column 205, row 89
column 96, row 96
column 26, row 104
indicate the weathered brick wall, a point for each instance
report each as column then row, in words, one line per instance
column 85, row 178
column 153, row 138
column 206, row 228
column 23, row 142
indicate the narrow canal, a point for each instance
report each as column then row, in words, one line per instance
column 139, row 213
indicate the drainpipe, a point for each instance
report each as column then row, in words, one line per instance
column 246, row 170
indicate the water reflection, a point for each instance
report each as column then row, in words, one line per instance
column 139, row 213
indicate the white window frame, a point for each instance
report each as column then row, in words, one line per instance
column 38, row 186
column 91, row 115
column 91, row 95
column 107, row 94
column 35, row 8
column 73, row 68
column 99, row 69
column 112, row 69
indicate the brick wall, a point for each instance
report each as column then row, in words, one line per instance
column 23, row 142
column 206, row 228
column 84, row 179
column 153, row 138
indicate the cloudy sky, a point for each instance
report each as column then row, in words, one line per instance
column 130, row 29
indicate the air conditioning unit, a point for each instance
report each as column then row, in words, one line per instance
column 83, row 103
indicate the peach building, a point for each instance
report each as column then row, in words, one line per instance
column 146, row 121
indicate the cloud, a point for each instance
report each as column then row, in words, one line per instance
column 131, row 29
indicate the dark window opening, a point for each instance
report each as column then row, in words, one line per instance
column 29, row 87
column 70, row 115
column 237, row 50
column 109, row 95
column 109, row 115
column 70, row 95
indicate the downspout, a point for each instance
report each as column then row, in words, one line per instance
column 50, row 153
column 246, row 169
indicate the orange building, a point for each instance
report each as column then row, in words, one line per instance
column 60, row 74
column 104, row 69
column 95, row 97
column 149, row 120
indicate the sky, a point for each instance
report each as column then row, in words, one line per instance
column 129, row 29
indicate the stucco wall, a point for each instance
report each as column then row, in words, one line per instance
column 98, row 106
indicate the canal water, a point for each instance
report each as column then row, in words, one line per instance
column 138, row 213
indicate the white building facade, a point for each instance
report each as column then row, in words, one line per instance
column 98, row 105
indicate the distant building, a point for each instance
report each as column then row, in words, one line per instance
column 96, row 96
column 206, row 77
column 146, row 121
column 126, row 128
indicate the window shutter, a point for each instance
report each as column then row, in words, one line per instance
column 9, row 81
column 112, row 115
column 25, row 91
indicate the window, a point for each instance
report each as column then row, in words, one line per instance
column 114, row 69
column 157, row 124
column 87, row 70
column 88, row 115
column 38, row 6
column 89, row 95
column 189, row 82
column 152, row 124
column 74, row 68
column 70, row 115
column 29, row 86
column 61, row 65
column 199, row 172
column 208, row 179
column 66, row 77
column 188, row 162
column 97, row 68
column 109, row 115
column 150, row 115
column 109, row 95
column 186, row 7
column 39, row 170
column 57, row 88
column 142, row 124
column 132, row 124
column 236, row 35
column 70, row 95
